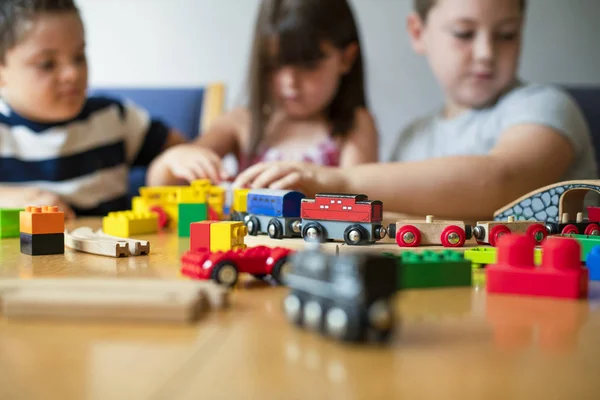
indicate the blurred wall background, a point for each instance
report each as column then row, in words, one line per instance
column 178, row 43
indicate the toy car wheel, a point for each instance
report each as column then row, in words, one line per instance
column 163, row 218
column 342, row 324
column 275, row 229
column 355, row 235
column 497, row 232
column 453, row 236
column 281, row 269
column 537, row 232
column 225, row 273
column 408, row 236
column 313, row 232
column 592, row 229
column 253, row 225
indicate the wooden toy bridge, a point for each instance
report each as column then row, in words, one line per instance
column 550, row 202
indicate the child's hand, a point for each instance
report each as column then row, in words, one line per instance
column 304, row 177
column 189, row 162
column 21, row 197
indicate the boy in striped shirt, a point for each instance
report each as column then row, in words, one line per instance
column 57, row 146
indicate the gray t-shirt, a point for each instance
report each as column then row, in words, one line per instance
column 475, row 132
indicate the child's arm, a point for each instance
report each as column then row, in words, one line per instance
column 201, row 158
column 361, row 145
column 23, row 196
column 526, row 157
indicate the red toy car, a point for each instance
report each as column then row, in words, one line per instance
column 224, row 266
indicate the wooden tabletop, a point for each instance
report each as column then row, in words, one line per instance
column 452, row 344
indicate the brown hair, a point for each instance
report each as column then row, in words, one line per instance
column 298, row 27
column 15, row 13
column 422, row 7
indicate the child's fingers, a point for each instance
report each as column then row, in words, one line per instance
column 290, row 181
column 188, row 174
column 270, row 175
column 211, row 170
column 248, row 175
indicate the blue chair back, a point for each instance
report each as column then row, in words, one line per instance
column 185, row 109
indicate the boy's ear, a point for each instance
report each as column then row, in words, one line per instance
column 415, row 26
column 349, row 57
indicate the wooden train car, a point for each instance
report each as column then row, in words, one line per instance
column 275, row 212
column 414, row 233
column 489, row 232
column 352, row 218
column 346, row 297
column 590, row 227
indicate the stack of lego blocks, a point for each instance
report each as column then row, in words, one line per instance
column 42, row 231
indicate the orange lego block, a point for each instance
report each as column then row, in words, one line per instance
column 42, row 220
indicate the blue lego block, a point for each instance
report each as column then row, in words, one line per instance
column 275, row 203
column 593, row 264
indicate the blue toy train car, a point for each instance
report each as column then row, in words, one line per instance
column 275, row 212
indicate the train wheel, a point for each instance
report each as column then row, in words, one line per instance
column 281, row 269
column 408, row 236
column 313, row 315
column 225, row 273
column 537, row 232
column 569, row 229
column 453, row 236
column 253, row 225
column 342, row 324
column 381, row 319
column 235, row 216
column 497, row 232
column 163, row 218
column 355, row 235
column 292, row 306
column 592, row 229
column 275, row 229
column 313, row 232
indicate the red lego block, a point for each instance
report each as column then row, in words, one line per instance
column 560, row 274
column 200, row 235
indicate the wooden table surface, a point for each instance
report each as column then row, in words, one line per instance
column 452, row 344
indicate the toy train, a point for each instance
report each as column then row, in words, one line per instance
column 347, row 297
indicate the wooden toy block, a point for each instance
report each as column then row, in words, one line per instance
column 84, row 240
column 559, row 275
column 593, row 263
column 189, row 213
column 129, row 223
column 488, row 232
column 42, row 244
column 42, row 220
column 114, row 299
column 431, row 269
column 136, row 247
column 482, row 256
column 9, row 222
column 413, row 233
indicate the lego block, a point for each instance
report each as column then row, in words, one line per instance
column 42, row 220
column 128, row 223
column 200, row 235
column 587, row 242
column 482, row 256
column 560, row 275
column 42, row 244
column 9, row 222
column 189, row 213
column 593, row 263
column 431, row 269
column 227, row 235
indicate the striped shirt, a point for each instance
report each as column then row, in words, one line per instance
column 85, row 160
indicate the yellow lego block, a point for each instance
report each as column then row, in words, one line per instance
column 240, row 200
column 139, row 204
column 190, row 195
column 216, row 200
column 128, row 223
column 227, row 235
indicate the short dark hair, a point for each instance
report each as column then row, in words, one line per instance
column 15, row 13
column 299, row 27
column 422, row 7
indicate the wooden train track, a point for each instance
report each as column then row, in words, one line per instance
column 84, row 239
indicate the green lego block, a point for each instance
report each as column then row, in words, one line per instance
column 9, row 223
column 587, row 242
column 482, row 256
column 431, row 269
column 189, row 213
